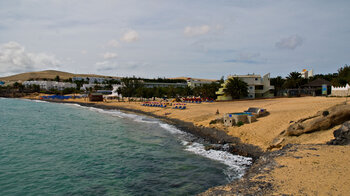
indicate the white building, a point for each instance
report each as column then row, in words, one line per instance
column 192, row 82
column 48, row 85
column 90, row 85
column 91, row 80
column 307, row 74
column 257, row 86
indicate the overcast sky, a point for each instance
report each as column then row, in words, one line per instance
column 172, row 38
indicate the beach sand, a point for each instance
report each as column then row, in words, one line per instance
column 309, row 167
column 261, row 133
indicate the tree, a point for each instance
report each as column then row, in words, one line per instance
column 236, row 88
column 293, row 80
column 129, row 86
column 57, row 78
column 277, row 83
column 343, row 76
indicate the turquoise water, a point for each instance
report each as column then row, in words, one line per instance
column 60, row 149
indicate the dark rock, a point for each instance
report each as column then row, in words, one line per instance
column 342, row 135
column 325, row 113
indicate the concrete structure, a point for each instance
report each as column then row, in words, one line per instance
column 86, row 87
column 341, row 91
column 307, row 74
column 191, row 82
column 47, row 85
column 257, row 86
column 92, row 80
column 161, row 84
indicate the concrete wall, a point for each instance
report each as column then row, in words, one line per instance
column 341, row 91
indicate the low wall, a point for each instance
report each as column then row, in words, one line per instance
column 340, row 91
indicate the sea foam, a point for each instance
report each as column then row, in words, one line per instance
column 236, row 165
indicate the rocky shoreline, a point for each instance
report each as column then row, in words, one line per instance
column 214, row 136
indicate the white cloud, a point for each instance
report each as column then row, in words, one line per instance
column 197, row 30
column 130, row 36
column 84, row 52
column 113, row 43
column 15, row 59
column 109, row 55
column 290, row 42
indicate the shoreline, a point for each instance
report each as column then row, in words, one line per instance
column 267, row 174
column 211, row 135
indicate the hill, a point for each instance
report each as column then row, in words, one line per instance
column 48, row 74
column 198, row 79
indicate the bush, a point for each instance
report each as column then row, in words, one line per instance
column 240, row 123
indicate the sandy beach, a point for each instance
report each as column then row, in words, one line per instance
column 261, row 133
column 307, row 167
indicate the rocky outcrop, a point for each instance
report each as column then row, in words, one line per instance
column 323, row 120
column 342, row 135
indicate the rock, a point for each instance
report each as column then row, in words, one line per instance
column 336, row 115
column 342, row 135
column 277, row 143
column 213, row 147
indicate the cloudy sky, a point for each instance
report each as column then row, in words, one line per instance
column 171, row 38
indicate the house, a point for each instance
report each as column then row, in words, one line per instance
column 96, row 97
column 258, row 86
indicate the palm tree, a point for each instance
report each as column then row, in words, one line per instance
column 236, row 88
column 293, row 80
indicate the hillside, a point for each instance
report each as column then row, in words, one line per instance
column 198, row 79
column 47, row 74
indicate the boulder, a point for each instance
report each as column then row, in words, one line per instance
column 341, row 135
column 323, row 120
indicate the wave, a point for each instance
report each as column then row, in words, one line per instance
column 236, row 165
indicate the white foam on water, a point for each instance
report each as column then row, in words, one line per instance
column 171, row 128
column 74, row 104
column 236, row 164
column 39, row 101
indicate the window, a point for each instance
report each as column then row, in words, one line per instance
column 256, row 79
column 259, row 87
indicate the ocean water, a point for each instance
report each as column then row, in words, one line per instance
column 67, row 149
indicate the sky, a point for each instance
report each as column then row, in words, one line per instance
column 174, row 38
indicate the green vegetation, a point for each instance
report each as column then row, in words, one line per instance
column 295, row 81
column 236, row 88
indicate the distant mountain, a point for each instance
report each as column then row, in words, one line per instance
column 48, row 74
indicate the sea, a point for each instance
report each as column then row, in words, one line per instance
column 68, row 149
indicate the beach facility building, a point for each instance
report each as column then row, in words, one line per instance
column 315, row 87
column 258, row 87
